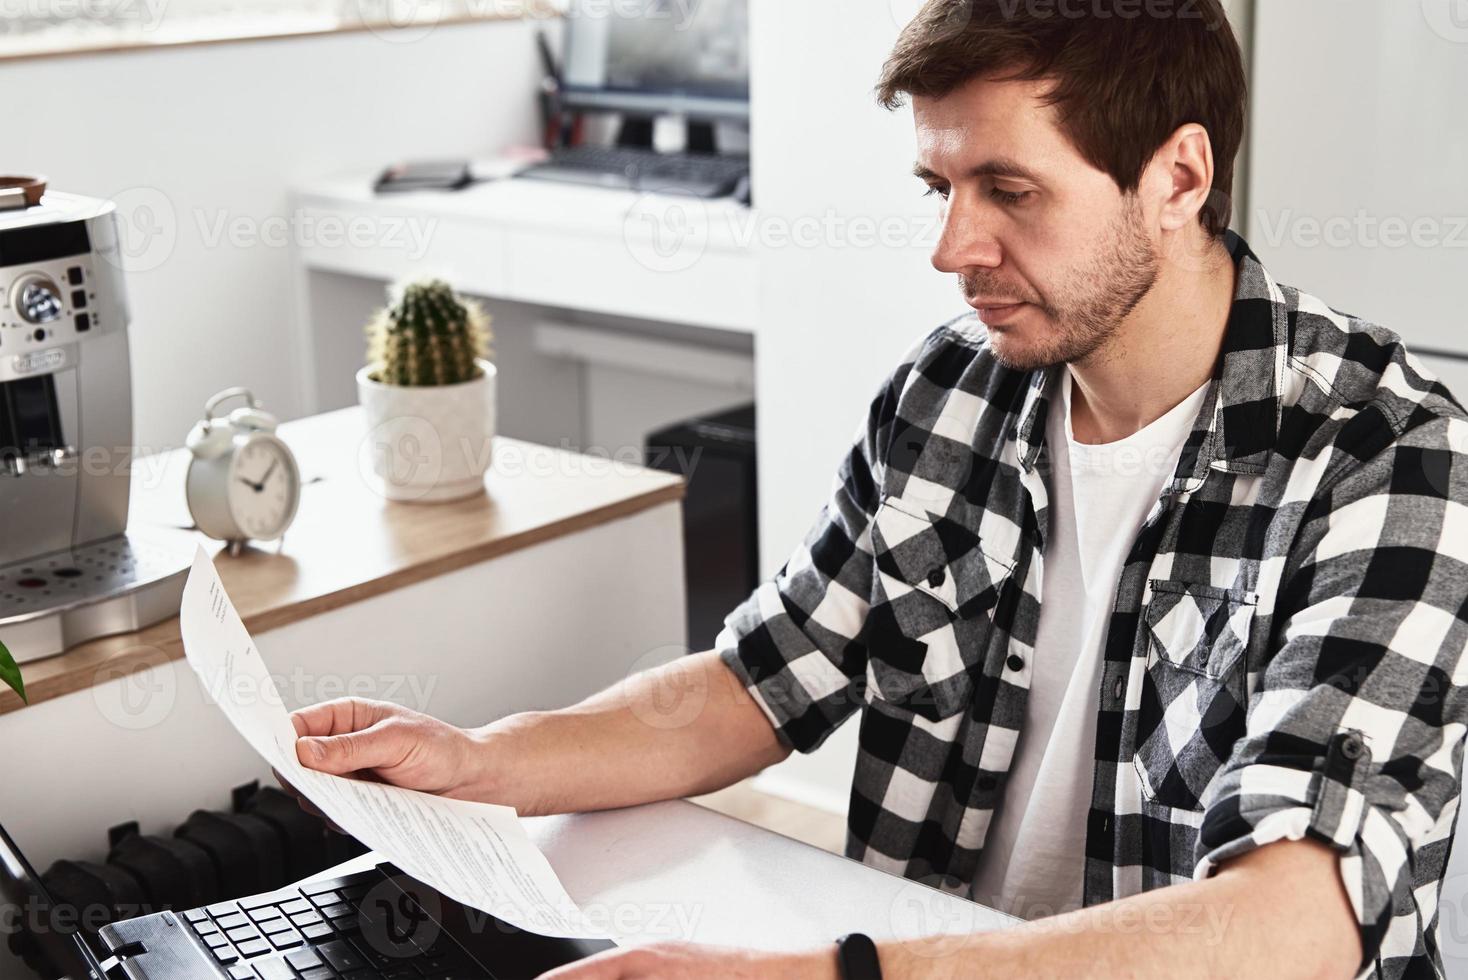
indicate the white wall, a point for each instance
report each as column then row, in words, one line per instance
column 837, row 313
column 1358, row 123
column 186, row 137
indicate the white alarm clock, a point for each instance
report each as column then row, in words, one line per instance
column 243, row 482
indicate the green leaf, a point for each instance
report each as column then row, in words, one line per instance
column 10, row 673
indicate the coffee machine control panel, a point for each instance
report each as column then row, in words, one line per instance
column 42, row 304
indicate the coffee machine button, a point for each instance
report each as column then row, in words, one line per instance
column 74, row 275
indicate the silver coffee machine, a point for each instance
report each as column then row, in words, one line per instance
column 69, row 569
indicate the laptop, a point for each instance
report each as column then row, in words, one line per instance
column 377, row 924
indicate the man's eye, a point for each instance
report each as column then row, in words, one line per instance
column 935, row 189
column 1009, row 197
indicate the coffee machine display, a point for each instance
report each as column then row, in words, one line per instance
column 69, row 568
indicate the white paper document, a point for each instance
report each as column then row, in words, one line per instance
column 475, row 853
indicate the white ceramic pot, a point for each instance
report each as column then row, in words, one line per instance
column 431, row 442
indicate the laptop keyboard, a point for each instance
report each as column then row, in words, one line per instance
column 314, row 931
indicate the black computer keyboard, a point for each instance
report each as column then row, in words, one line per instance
column 314, row 931
column 700, row 175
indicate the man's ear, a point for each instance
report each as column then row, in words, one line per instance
column 1185, row 176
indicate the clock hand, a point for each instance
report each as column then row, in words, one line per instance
column 263, row 479
column 257, row 487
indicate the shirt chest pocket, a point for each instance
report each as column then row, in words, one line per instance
column 1193, row 698
column 931, row 619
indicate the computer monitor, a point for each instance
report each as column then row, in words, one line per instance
column 654, row 57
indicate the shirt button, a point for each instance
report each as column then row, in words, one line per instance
column 1116, row 689
column 935, row 577
column 1015, row 662
column 1351, row 747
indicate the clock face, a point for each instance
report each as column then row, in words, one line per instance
column 263, row 488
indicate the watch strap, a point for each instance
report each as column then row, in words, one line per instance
column 856, row 957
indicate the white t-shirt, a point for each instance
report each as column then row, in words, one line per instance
column 1033, row 861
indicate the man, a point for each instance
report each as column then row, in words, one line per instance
column 1149, row 577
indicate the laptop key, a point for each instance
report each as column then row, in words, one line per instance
column 303, row 959
column 374, row 955
column 232, row 921
column 322, row 972
column 294, row 905
column 341, row 956
column 254, row 947
column 285, row 940
column 271, row 926
column 196, row 915
column 259, row 901
column 241, row 971
column 225, row 955
column 243, row 933
column 273, row 969
column 319, row 930
column 222, row 908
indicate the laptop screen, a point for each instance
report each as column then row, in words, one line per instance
column 22, row 889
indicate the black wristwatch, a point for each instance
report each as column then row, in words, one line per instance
column 856, row 957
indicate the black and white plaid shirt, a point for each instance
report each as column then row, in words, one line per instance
column 1285, row 657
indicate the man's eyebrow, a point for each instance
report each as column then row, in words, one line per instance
column 999, row 167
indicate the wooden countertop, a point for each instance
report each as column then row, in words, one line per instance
column 347, row 542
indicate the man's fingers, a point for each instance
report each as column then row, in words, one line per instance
column 609, row 964
column 305, row 804
column 376, row 748
column 338, row 717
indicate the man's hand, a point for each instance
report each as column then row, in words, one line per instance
column 377, row 739
column 686, row 961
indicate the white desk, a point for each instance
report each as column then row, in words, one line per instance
column 678, row 871
column 678, row 266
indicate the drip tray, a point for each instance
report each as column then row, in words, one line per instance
column 50, row 603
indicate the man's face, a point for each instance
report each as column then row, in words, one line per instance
column 1046, row 247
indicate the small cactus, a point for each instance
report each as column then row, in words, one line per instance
column 428, row 336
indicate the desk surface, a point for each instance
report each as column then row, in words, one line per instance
column 349, row 543
column 678, row 871
column 649, row 256
column 536, row 204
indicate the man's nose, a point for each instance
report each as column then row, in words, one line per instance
column 965, row 242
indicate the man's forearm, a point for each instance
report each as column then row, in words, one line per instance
column 684, row 728
column 1279, row 912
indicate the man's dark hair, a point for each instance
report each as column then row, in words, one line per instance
column 1126, row 74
